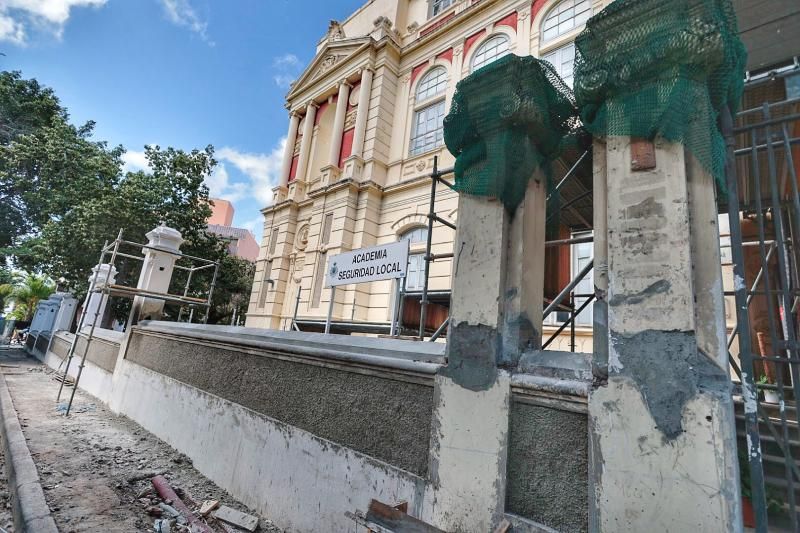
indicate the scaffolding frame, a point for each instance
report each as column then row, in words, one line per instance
column 108, row 290
column 437, row 177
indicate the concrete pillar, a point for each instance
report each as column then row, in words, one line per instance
column 364, row 92
column 495, row 314
column 662, row 433
column 66, row 312
column 305, row 142
column 95, row 302
column 159, row 262
column 288, row 151
column 338, row 123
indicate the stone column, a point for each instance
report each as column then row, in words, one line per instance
column 338, row 123
column 159, row 262
column 662, row 429
column 288, row 151
column 95, row 301
column 363, row 110
column 524, row 31
column 305, row 142
column 495, row 313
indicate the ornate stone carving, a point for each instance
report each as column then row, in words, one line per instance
column 301, row 241
column 350, row 119
column 383, row 21
column 299, row 263
column 458, row 50
column 421, row 166
column 523, row 15
column 335, row 31
column 327, row 63
column 353, row 99
column 413, row 27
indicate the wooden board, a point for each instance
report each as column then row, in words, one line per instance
column 236, row 518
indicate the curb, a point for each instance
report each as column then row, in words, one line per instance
column 29, row 508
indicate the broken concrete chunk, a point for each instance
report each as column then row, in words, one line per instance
column 208, row 506
column 236, row 518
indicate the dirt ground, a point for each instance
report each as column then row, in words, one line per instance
column 95, row 467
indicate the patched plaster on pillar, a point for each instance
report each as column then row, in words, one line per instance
column 662, row 433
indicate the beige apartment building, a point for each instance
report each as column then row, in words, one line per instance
column 365, row 124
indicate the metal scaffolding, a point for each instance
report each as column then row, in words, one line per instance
column 107, row 290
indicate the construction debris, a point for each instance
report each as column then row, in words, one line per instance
column 180, row 510
column 236, row 518
column 208, row 506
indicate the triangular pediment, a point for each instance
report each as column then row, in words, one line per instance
column 330, row 56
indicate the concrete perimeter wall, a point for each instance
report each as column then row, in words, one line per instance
column 306, row 427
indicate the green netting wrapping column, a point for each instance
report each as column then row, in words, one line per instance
column 505, row 126
column 651, row 79
column 661, row 68
column 507, row 120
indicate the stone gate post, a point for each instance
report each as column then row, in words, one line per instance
column 497, row 292
column 661, row 424
column 159, row 262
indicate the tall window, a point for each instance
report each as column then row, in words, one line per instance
column 563, row 60
column 429, row 111
column 564, row 17
column 415, row 274
column 490, row 50
column 437, row 6
column 582, row 253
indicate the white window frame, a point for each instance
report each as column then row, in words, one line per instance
column 556, row 57
column 586, row 318
column 562, row 18
column 481, row 57
column 415, row 273
column 427, row 121
column 437, row 7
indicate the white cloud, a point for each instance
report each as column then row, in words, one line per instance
column 134, row 161
column 255, row 225
column 11, row 30
column 16, row 16
column 284, row 81
column 182, row 13
column 219, row 185
column 286, row 61
column 287, row 67
column 263, row 170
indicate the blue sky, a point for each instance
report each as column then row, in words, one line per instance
column 183, row 73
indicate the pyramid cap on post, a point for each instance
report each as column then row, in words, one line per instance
column 165, row 238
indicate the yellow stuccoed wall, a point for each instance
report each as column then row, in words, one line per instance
column 392, row 193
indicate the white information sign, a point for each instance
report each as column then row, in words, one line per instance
column 388, row 261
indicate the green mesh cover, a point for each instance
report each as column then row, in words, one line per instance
column 647, row 68
column 507, row 119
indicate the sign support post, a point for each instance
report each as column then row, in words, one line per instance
column 330, row 310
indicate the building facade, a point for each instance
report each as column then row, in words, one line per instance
column 365, row 124
column 241, row 242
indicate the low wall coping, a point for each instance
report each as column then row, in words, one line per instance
column 424, row 358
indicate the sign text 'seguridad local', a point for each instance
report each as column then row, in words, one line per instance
column 388, row 261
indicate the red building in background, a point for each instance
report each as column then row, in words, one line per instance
column 241, row 242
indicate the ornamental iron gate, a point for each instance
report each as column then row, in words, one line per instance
column 763, row 207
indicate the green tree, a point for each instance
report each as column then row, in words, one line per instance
column 232, row 291
column 28, row 293
column 62, row 194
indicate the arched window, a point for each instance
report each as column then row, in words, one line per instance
column 432, row 84
column 563, row 60
column 565, row 16
column 416, row 236
column 490, row 50
column 429, row 110
column 415, row 274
